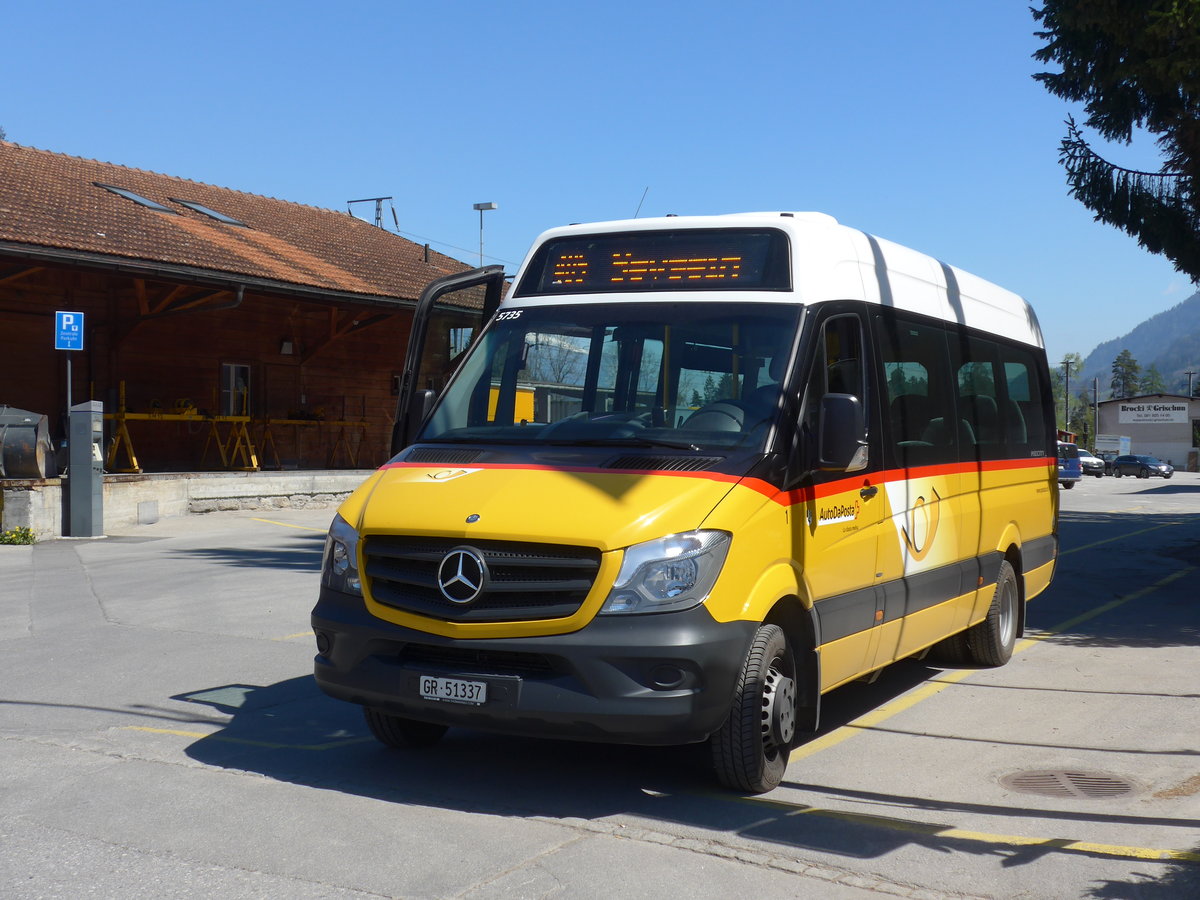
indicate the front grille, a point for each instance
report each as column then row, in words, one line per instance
column 526, row 581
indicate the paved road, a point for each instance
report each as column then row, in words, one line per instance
column 160, row 736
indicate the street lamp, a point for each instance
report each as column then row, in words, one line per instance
column 482, row 207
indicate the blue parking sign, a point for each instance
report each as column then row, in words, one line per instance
column 68, row 331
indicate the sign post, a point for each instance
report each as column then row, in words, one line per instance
column 85, row 441
column 68, row 335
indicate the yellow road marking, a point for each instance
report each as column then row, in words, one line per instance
column 882, row 713
column 847, row 731
column 1121, row 851
column 873, row 718
column 289, row 525
column 292, row 637
column 1119, row 537
column 1103, row 608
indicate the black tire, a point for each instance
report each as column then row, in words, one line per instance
column 1067, row 484
column 991, row 642
column 1144, row 473
column 1116, row 473
column 951, row 651
column 750, row 751
column 395, row 731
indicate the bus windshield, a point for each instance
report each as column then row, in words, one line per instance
column 694, row 376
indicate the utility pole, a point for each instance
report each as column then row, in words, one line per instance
column 1189, row 375
column 1095, row 410
column 1066, row 394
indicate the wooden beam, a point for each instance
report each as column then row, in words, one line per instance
column 11, row 275
column 163, row 304
column 341, row 325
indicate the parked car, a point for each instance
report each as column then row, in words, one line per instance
column 1091, row 465
column 1109, row 456
column 1069, row 470
column 1142, row 467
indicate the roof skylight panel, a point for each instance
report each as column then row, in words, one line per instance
column 136, row 198
column 211, row 213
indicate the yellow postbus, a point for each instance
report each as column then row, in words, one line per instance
column 689, row 475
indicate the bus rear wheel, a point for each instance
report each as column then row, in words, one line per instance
column 991, row 642
column 750, row 751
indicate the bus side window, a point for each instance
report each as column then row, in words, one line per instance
column 914, row 361
column 977, row 386
column 1025, row 431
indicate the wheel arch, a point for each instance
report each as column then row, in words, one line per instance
column 802, row 629
column 1012, row 554
column 1009, row 548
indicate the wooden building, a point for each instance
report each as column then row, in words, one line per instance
column 222, row 329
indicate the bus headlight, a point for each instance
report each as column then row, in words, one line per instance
column 340, row 569
column 670, row 574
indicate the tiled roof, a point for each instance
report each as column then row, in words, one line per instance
column 49, row 202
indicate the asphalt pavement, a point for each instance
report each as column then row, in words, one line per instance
column 160, row 736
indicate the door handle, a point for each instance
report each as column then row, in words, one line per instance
column 868, row 491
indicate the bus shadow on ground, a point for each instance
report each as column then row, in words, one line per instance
column 293, row 733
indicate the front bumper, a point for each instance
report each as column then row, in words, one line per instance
column 639, row 679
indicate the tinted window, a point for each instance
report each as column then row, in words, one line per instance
column 956, row 396
column 918, row 422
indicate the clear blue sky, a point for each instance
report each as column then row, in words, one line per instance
column 916, row 121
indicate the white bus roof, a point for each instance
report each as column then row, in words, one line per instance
column 831, row 261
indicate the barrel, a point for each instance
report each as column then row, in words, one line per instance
column 25, row 448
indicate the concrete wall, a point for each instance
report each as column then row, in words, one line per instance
column 143, row 499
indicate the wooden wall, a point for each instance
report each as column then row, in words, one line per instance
column 335, row 370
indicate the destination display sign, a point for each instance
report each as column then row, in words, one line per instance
column 688, row 259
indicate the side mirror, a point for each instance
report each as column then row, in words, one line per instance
column 843, row 434
column 404, row 432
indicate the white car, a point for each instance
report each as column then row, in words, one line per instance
column 1091, row 464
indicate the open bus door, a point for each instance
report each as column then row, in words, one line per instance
column 449, row 316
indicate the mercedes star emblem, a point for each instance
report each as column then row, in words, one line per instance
column 462, row 575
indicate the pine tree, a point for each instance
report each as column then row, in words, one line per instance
column 1126, row 375
column 1153, row 382
column 1133, row 64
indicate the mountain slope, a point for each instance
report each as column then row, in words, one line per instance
column 1169, row 340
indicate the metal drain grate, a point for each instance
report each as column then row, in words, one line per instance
column 1088, row 785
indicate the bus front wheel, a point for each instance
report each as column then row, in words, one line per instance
column 395, row 731
column 750, row 751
